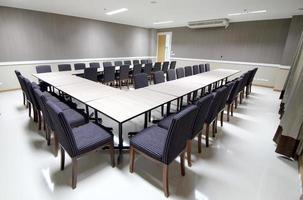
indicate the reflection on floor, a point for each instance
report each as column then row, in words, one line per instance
column 239, row 164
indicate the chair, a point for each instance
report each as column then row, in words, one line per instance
column 79, row 140
column 159, row 77
column 94, row 65
column 136, row 62
column 242, row 87
column 79, row 66
column 91, row 74
column 124, row 75
column 232, row 96
column 196, row 69
column 164, row 145
column 140, row 80
column 202, row 68
column 207, row 67
column 149, row 61
column 144, row 61
column 118, row 63
column 107, row 64
column 157, row 67
column 109, row 75
column 18, row 74
column 250, row 80
column 188, row 71
column 43, row 69
column 127, row 62
column 172, row 65
column 148, row 70
column 180, row 72
column 137, row 69
column 203, row 105
column 171, row 75
column 64, row 67
column 165, row 66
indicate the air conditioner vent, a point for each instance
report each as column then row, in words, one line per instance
column 209, row 23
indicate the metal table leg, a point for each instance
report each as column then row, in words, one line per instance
column 120, row 143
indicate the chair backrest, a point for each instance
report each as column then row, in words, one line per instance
column 144, row 61
column 118, row 63
column 196, row 69
column 214, row 106
column 202, row 68
column 171, row 74
column 159, row 77
column 148, row 68
column 136, row 62
column 30, row 90
column 149, row 61
column 107, row 64
column 124, row 72
column 172, row 65
column 165, row 66
column 79, row 66
column 94, row 65
column 207, row 67
column 41, row 100
column 64, row 67
column 109, row 74
column 62, row 128
column 180, row 72
column 18, row 74
column 91, row 73
column 178, row 133
column 137, row 69
column 244, row 81
column 203, row 105
column 140, row 80
column 157, row 67
column 226, row 92
column 43, row 69
column 24, row 87
column 127, row 62
column 251, row 76
column 234, row 91
column 188, row 71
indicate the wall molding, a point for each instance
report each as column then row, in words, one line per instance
column 234, row 62
column 39, row 62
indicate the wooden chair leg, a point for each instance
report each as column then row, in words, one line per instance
column 62, row 158
column 132, row 159
column 56, row 145
column 182, row 165
column 165, row 180
column 23, row 98
column 112, row 154
column 207, row 135
column 162, row 110
column 74, row 172
column 188, row 152
column 236, row 102
column 213, row 127
column 200, row 142
column 228, row 111
column 216, row 125
column 39, row 119
column 232, row 109
column 221, row 118
column 29, row 109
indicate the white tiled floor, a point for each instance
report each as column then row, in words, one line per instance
column 239, row 164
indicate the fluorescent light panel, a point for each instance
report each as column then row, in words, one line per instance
column 117, row 11
column 163, row 22
column 246, row 13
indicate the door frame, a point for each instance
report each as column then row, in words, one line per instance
column 169, row 45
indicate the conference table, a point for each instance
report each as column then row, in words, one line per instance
column 122, row 106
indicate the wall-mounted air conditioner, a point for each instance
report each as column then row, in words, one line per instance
column 209, row 23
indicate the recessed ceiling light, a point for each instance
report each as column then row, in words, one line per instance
column 163, row 22
column 245, row 12
column 153, row 2
column 117, row 11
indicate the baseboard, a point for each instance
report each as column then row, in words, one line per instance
column 8, row 90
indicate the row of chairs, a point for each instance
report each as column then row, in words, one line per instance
column 174, row 134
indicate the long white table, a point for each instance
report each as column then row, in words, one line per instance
column 122, row 106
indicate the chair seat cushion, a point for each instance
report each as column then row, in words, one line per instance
column 165, row 122
column 61, row 105
column 90, row 136
column 150, row 141
column 74, row 118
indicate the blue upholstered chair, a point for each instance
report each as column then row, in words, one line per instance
column 91, row 73
column 180, row 72
column 188, row 71
column 159, row 77
column 203, row 105
column 148, row 67
column 157, row 67
column 171, row 75
column 64, row 67
column 250, row 80
column 136, row 62
column 242, row 87
column 127, row 62
column 107, row 64
column 202, row 68
column 137, row 69
column 140, row 80
column 196, row 69
column 172, row 65
column 123, row 75
column 207, row 67
column 79, row 66
column 94, row 65
column 165, row 66
column 118, row 63
column 43, row 69
column 164, row 145
column 18, row 74
column 79, row 140
column 232, row 97
column 109, row 75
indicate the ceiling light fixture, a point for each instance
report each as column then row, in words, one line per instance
column 163, row 22
column 117, row 11
column 246, row 12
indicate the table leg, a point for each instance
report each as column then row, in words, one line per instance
column 181, row 102
column 96, row 116
column 87, row 111
column 120, row 143
column 145, row 119
column 168, row 108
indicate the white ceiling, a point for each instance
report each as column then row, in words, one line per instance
column 142, row 13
